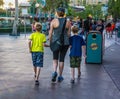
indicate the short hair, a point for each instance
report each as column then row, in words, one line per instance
column 38, row 27
column 61, row 12
column 75, row 29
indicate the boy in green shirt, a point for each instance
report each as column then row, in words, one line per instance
column 37, row 42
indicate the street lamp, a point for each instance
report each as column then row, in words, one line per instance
column 37, row 8
column 14, row 32
column 6, row 11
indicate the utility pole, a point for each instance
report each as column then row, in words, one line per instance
column 14, row 32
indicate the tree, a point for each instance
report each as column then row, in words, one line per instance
column 1, row 10
column 51, row 5
column 93, row 10
column 114, row 8
column 1, row 3
column 10, row 4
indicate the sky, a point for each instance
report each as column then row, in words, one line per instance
column 12, row 1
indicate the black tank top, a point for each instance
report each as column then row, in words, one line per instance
column 57, row 32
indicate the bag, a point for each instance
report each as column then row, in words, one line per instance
column 56, row 45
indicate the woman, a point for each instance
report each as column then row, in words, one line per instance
column 59, row 55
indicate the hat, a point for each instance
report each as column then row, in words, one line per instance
column 60, row 9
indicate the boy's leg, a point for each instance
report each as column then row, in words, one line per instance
column 79, row 72
column 37, row 73
column 72, row 75
column 35, row 70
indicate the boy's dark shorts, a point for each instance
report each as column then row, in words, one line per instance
column 75, row 62
column 37, row 59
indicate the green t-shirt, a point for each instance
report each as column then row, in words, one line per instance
column 37, row 39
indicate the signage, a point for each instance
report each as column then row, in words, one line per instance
column 94, row 46
column 24, row 11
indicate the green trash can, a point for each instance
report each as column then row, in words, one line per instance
column 94, row 43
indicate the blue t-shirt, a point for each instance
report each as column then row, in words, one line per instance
column 76, row 43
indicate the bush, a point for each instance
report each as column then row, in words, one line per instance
column 9, row 30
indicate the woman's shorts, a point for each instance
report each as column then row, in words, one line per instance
column 37, row 59
column 75, row 62
column 60, row 54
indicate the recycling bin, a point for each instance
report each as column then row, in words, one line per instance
column 94, row 47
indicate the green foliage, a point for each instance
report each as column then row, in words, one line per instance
column 93, row 10
column 1, row 3
column 51, row 5
column 2, row 12
column 114, row 8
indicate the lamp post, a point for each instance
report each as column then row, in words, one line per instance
column 37, row 8
column 14, row 32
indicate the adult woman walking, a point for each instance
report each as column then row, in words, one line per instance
column 54, row 33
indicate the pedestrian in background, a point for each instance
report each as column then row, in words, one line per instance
column 100, row 26
column 59, row 55
column 37, row 42
column 33, row 26
column 77, row 46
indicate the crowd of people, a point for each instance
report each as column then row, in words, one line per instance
column 73, row 39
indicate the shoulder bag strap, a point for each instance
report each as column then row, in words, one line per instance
column 62, row 34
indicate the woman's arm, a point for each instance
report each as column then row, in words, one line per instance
column 51, row 31
column 68, row 25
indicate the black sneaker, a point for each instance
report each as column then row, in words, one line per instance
column 36, row 82
column 54, row 75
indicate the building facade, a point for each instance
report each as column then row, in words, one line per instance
column 96, row 1
column 86, row 2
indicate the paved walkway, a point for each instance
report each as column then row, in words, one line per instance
column 16, row 74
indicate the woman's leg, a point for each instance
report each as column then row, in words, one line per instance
column 61, row 67
column 55, row 65
column 63, row 52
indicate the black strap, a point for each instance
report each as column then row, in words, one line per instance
column 62, row 34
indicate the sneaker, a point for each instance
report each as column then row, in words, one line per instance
column 60, row 79
column 72, row 81
column 36, row 82
column 54, row 75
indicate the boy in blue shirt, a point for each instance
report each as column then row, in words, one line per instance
column 77, row 45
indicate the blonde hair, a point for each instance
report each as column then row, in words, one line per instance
column 75, row 29
column 38, row 26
